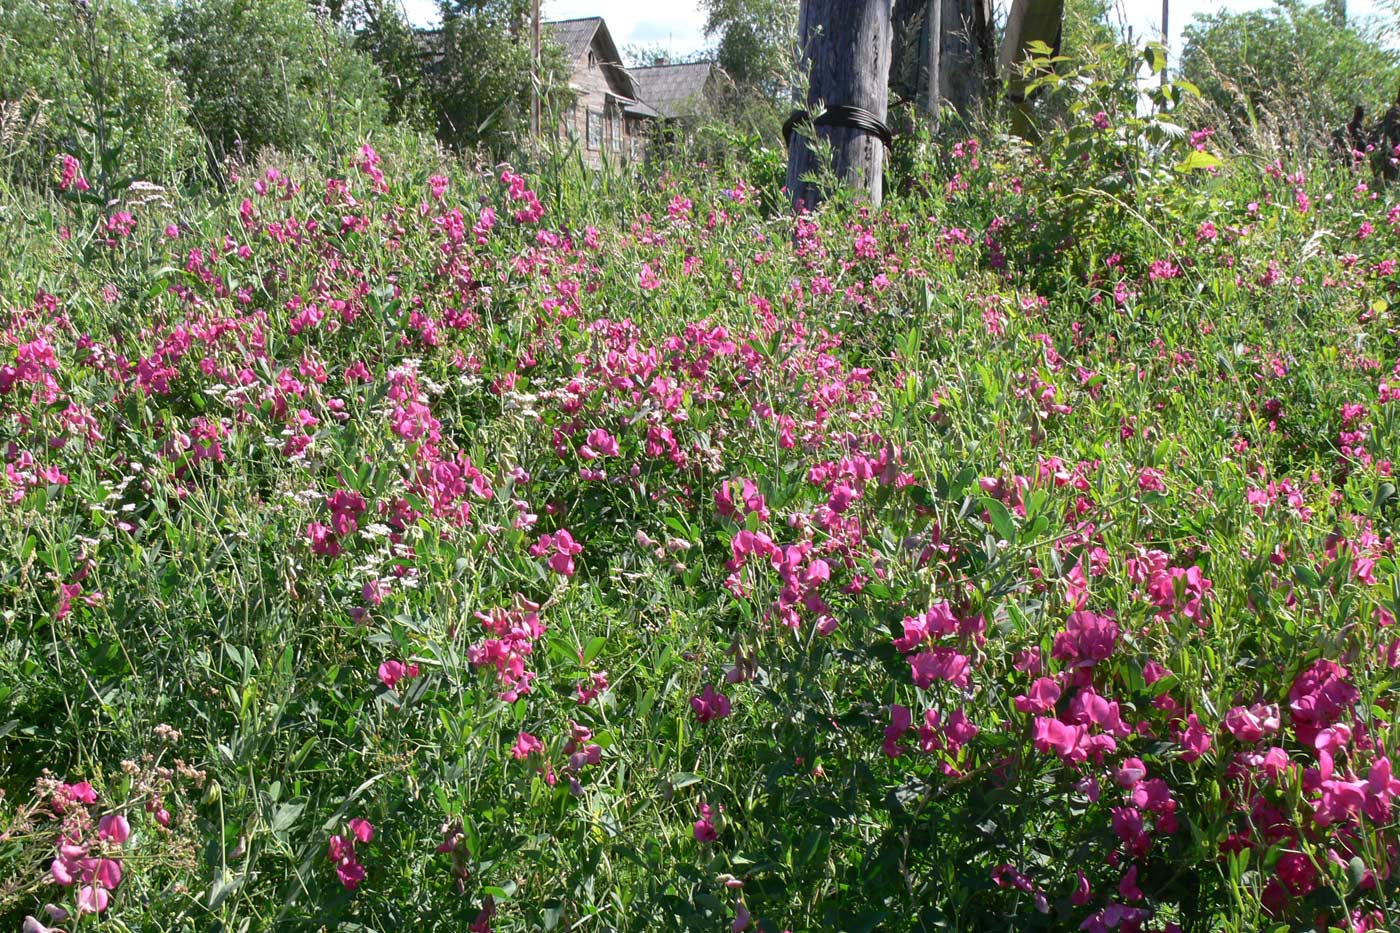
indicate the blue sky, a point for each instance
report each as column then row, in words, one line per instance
column 679, row 25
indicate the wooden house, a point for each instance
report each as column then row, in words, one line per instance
column 616, row 113
column 607, row 116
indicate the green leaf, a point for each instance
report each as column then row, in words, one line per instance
column 1155, row 54
column 1196, row 161
column 1002, row 521
column 286, row 816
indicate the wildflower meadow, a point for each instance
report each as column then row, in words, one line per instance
column 393, row 545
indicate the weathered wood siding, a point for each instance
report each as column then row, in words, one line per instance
column 596, row 120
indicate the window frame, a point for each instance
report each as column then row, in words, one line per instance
column 593, row 132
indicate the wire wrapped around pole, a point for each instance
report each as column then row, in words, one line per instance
column 843, row 115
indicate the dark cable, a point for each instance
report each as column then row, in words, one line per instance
column 843, row 115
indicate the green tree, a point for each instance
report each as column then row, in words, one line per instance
column 271, row 73
column 1288, row 74
column 480, row 74
column 89, row 80
column 757, row 42
column 384, row 34
column 648, row 54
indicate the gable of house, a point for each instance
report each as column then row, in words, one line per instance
column 606, row 117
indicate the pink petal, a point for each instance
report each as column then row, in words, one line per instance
column 92, row 899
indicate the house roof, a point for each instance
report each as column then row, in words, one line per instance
column 576, row 35
column 673, row 89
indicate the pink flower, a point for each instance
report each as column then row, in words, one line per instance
column 741, row 918
column 1051, row 735
column 937, row 622
column 1082, row 892
column 525, row 745
column 599, row 444
column 1087, row 638
column 710, row 705
column 1381, row 789
column 113, row 828
column 564, row 549
column 1128, row 887
column 940, row 664
column 1194, row 739
column 1252, row 724
column 1041, row 698
column 92, row 899
column 363, row 830
column 1297, row 873
column 1130, row 773
column 341, row 851
column 1319, row 697
column 323, row 540
column 901, row 720
column 391, row 672
column 350, row 872
column 81, row 792
column 705, row 827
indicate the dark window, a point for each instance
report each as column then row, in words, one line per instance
column 595, row 129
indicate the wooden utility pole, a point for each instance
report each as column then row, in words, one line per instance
column 1027, row 22
column 846, row 50
column 967, row 58
column 1166, row 37
column 944, row 53
column 535, row 72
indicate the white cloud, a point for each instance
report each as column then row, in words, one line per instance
column 679, row 27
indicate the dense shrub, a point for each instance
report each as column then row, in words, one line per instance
column 271, row 73
column 1289, row 74
column 89, row 80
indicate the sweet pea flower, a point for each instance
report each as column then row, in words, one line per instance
column 1251, row 724
column 113, row 828
column 361, row 829
column 392, row 671
column 710, row 705
column 704, row 827
column 525, row 745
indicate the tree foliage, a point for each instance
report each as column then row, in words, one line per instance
column 383, row 32
column 88, row 80
column 271, row 73
column 481, row 83
column 1288, row 73
column 756, row 41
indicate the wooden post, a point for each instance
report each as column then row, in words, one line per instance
column 945, row 53
column 535, row 73
column 846, row 46
column 933, row 56
column 913, row 55
column 966, row 69
column 1028, row 21
column 1166, row 37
